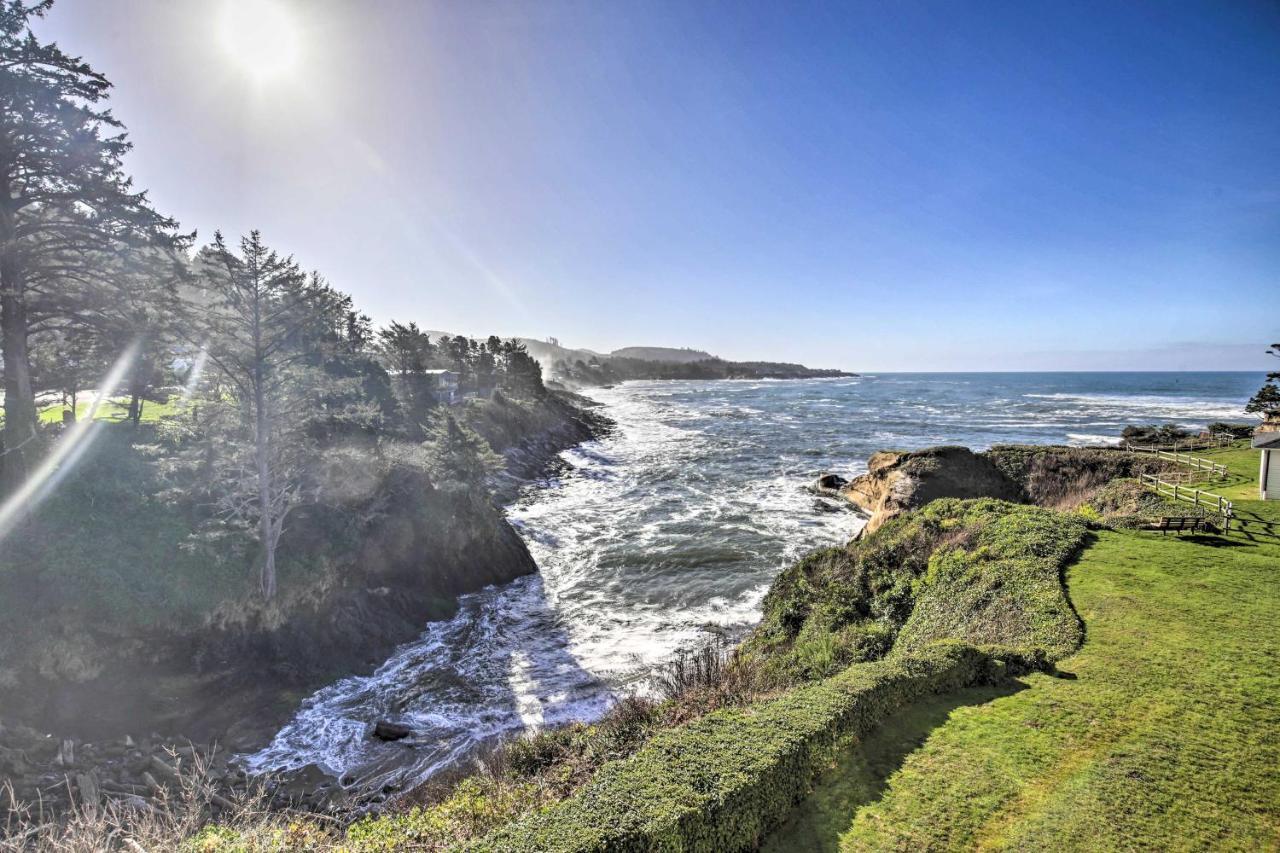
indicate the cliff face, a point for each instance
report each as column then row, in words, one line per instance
column 897, row 481
column 362, row 572
column 361, row 579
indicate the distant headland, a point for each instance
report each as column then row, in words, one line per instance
column 580, row 368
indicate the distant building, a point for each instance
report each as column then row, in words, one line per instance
column 1269, row 470
column 443, row 385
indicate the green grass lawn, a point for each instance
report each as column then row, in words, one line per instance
column 1242, row 467
column 1166, row 738
column 111, row 409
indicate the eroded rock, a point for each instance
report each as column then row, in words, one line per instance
column 897, row 481
column 387, row 730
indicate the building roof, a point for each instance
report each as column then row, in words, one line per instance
column 1266, row 440
column 440, row 372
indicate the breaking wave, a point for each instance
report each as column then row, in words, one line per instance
column 670, row 530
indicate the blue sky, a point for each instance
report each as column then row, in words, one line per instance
column 872, row 186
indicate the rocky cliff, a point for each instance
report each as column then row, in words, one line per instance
column 897, row 481
column 365, row 569
column 1051, row 476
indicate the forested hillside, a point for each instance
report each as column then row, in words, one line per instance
column 215, row 468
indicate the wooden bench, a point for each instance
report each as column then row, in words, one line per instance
column 1180, row 524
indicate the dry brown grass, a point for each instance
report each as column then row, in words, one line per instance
column 164, row 822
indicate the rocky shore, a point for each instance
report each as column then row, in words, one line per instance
column 225, row 690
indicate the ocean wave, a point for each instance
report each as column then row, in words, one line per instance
column 1078, row 439
column 663, row 534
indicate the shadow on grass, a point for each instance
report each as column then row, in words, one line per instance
column 1255, row 527
column 1216, row 541
column 862, row 771
column 1089, row 539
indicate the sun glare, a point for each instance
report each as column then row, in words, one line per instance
column 259, row 37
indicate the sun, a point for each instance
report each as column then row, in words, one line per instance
column 260, row 37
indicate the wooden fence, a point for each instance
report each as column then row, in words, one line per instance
column 1219, row 440
column 1205, row 500
column 1214, row 470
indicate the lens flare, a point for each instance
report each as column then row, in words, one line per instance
column 66, row 453
column 193, row 377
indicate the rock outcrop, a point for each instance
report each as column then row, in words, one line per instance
column 389, row 551
column 897, row 481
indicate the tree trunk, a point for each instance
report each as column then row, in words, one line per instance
column 138, row 386
column 266, row 528
column 20, row 451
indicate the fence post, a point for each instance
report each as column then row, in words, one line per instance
column 1175, row 490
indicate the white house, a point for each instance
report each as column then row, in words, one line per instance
column 1269, row 473
column 444, row 385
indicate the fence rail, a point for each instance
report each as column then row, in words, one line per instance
column 1199, row 463
column 1219, row 440
column 1206, row 500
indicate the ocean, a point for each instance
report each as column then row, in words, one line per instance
column 670, row 530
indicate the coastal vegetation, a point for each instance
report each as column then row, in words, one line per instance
column 217, row 478
column 959, row 593
column 982, row 571
column 1267, row 401
column 1162, row 738
column 975, row 672
column 221, row 486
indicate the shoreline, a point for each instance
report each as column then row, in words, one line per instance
column 533, row 458
column 58, row 766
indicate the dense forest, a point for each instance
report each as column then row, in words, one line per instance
column 215, row 469
column 256, row 365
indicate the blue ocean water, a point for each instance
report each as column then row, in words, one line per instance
column 672, row 528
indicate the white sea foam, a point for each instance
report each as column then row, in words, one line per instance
column 644, row 551
column 666, row 532
column 1078, row 438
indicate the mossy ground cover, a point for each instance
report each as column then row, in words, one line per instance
column 984, row 571
column 1167, row 738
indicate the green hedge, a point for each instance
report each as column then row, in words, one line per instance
column 723, row 781
column 1004, row 586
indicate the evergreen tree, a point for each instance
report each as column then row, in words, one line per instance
column 1267, row 401
column 266, row 332
column 457, row 454
column 522, row 375
column 63, row 196
column 69, row 361
column 407, row 353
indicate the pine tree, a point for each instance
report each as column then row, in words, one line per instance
column 262, row 332
column 457, row 455
column 63, row 196
column 406, row 352
column 1267, row 401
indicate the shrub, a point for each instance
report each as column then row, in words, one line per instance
column 1154, row 434
column 721, row 782
column 698, row 670
column 967, row 560
column 1066, row 477
column 1232, row 430
column 478, row 804
column 1126, row 504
